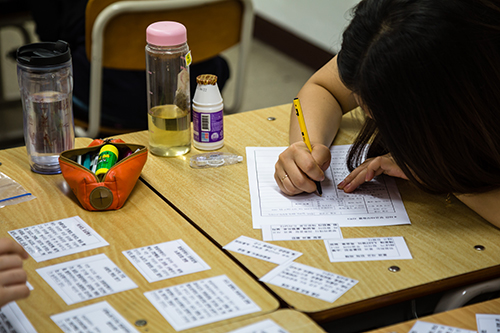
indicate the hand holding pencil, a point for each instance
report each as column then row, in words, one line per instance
column 300, row 168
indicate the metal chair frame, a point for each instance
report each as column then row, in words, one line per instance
column 459, row 297
column 122, row 7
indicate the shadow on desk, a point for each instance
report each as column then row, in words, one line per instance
column 394, row 314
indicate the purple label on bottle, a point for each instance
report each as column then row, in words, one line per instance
column 208, row 127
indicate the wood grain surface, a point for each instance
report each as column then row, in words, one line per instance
column 144, row 220
column 441, row 237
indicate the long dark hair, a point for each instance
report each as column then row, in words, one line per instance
column 428, row 72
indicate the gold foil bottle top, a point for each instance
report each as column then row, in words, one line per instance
column 206, row 79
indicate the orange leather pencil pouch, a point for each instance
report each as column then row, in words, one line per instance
column 111, row 189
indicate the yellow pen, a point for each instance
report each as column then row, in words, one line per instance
column 305, row 136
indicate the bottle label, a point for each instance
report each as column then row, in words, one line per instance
column 189, row 59
column 208, row 127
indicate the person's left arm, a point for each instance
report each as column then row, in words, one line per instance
column 484, row 204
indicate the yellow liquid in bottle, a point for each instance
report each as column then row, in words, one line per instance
column 169, row 130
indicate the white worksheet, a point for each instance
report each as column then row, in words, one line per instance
column 261, row 250
column 375, row 203
column 264, row 326
column 13, row 319
column 201, row 302
column 309, row 281
column 313, row 231
column 99, row 317
column 425, row 327
column 366, row 249
column 166, row 260
column 58, row 238
column 86, row 278
column 488, row 323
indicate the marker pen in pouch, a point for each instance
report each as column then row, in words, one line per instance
column 108, row 155
column 93, row 163
column 86, row 160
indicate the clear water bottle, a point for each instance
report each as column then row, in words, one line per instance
column 169, row 103
column 45, row 78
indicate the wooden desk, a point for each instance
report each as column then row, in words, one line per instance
column 441, row 238
column 144, row 220
column 464, row 318
column 290, row 320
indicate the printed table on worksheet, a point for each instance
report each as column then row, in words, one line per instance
column 375, row 203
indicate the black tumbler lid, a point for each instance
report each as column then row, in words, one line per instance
column 44, row 54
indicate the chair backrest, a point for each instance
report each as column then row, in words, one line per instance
column 212, row 28
column 116, row 38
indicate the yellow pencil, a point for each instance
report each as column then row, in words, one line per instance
column 305, row 136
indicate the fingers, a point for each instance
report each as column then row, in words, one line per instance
column 10, row 261
column 323, row 157
column 360, row 179
column 13, row 293
column 12, row 282
column 11, row 270
column 370, row 169
column 12, row 277
column 7, row 245
column 297, row 168
column 293, row 181
column 364, row 173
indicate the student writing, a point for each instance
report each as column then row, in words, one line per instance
column 427, row 75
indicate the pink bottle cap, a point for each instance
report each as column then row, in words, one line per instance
column 166, row 33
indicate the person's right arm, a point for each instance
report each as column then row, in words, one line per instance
column 324, row 99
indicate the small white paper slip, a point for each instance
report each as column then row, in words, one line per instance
column 425, row 327
column 12, row 319
column 262, row 250
column 58, row 238
column 264, row 326
column 488, row 323
column 366, row 249
column 86, row 278
column 99, row 317
column 313, row 231
column 166, row 260
column 201, row 302
column 309, row 281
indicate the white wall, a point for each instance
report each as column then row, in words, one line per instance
column 321, row 22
